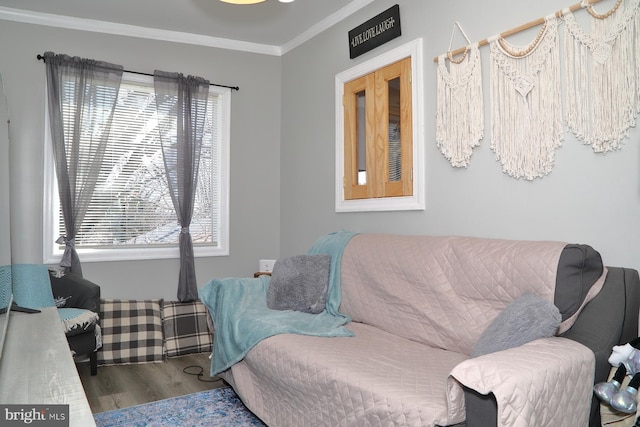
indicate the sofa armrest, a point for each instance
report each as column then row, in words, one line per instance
column 545, row 382
column 609, row 319
column 76, row 292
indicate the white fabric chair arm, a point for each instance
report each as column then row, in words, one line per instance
column 547, row 382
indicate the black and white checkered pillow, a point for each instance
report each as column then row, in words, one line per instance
column 131, row 331
column 185, row 328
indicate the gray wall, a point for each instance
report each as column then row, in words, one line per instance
column 588, row 198
column 255, row 145
column 283, row 155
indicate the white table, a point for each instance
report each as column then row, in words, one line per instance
column 37, row 368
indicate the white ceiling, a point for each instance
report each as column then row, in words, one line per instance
column 271, row 23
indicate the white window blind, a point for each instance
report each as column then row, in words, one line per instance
column 131, row 206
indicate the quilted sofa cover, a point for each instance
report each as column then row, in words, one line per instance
column 418, row 305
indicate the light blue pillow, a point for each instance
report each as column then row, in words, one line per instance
column 32, row 286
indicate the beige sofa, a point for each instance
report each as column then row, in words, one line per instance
column 419, row 306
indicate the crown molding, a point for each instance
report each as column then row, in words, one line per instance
column 96, row 26
column 105, row 27
column 325, row 24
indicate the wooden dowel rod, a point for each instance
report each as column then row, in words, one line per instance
column 521, row 28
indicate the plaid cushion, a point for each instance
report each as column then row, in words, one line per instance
column 185, row 328
column 131, row 331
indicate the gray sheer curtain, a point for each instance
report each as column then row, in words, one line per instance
column 82, row 95
column 182, row 107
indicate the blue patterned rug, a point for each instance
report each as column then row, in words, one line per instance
column 217, row 407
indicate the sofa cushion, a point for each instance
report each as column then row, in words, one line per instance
column 370, row 379
column 300, row 283
column 131, row 331
column 527, row 318
column 579, row 268
column 455, row 286
column 185, row 328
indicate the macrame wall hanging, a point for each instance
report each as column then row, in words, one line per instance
column 460, row 109
column 526, row 109
column 602, row 75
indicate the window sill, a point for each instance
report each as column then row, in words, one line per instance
column 137, row 254
column 381, row 204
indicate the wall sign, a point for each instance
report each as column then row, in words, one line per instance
column 375, row 32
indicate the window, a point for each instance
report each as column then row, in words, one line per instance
column 379, row 160
column 377, row 133
column 131, row 215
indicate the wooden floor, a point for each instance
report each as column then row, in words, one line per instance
column 121, row 386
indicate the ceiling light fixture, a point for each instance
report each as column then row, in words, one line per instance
column 243, row 1
column 252, row 1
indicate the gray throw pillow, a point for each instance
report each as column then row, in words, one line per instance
column 527, row 318
column 300, row 283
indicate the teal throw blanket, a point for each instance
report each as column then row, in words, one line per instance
column 238, row 308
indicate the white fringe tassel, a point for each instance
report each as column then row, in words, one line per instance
column 603, row 78
column 460, row 109
column 526, row 109
column 83, row 320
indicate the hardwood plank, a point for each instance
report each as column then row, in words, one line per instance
column 121, row 386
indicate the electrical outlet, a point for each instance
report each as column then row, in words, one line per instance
column 266, row 265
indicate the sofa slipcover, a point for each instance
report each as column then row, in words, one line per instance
column 431, row 297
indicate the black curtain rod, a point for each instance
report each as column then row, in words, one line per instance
column 41, row 58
